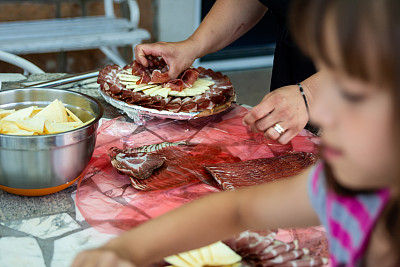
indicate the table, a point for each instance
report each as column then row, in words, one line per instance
column 50, row 230
column 47, row 230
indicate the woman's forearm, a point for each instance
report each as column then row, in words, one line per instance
column 311, row 85
column 226, row 22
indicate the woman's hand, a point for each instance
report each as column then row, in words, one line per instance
column 179, row 55
column 284, row 106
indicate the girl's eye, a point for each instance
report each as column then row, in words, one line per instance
column 351, row 97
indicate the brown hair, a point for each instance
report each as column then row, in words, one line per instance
column 367, row 36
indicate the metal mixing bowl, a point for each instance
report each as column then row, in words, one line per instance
column 42, row 164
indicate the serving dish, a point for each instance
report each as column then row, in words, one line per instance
column 44, row 164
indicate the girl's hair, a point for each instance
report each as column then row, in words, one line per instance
column 366, row 34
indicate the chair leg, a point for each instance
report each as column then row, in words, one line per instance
column 113, row 54
column 20, row 62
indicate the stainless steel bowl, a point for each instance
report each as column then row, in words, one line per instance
column 47, row 162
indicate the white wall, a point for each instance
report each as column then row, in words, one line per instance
column 177, row 19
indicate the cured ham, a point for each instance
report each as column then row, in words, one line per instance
column 219, row 92
column 159, row 77
column 174, row 105
column 263, row 249
column 145, row 78
column 189, row 77
column 188, row 105
column 137, row 164
column 176, row 85
column 231, row 176
column 181, row 164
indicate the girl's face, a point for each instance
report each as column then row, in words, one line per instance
column 356, row 122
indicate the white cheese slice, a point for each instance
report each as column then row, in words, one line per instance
column 196, row 256
column 23, row 114
column 206, row 255
column 157, row 91
column 163, row 92
column 202, row 81
column 193, row 92
column 127, row 77
column 177, row 261
column 151, row 90
column 181, row 93
column 142, row 87
column 173, row 92
column 223, row 255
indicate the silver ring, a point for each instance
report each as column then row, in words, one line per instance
column 279, row 128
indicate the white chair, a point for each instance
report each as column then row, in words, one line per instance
column 79, row 33
column 24, row 64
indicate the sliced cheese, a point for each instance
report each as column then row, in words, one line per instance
column 4, row 113
column 63, row 111
column 223, row 255
column 173, row 92
column 199, row 86
column 35, row 124
column 20, row 132
column 7, row 126
column 188, row 259
column 149, row 91
column 127, row 77
column 206, row 255
column 196, row 256
column 142, row 87
column 193, row 92
column 20, row 115
column 202, row 81
column 177, row 261
column 53, row 112
column 52, row 128
column 161, row 92
column 73, row 116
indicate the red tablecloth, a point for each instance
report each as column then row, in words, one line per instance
column 106, row 198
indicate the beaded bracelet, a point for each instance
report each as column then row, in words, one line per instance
column 304, row 95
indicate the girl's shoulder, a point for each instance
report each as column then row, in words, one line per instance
column 348, row 219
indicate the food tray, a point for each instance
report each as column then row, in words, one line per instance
column 141, row 114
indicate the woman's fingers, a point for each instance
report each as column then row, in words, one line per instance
column 178, row 56
column 259, row 112
column 284, row 106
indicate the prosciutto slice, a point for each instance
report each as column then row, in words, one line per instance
column 189, row 77
column 176, row 85
column 167, row 165
column 263, row 249
column 231, row 176
column 136, row 164
column 158, row 77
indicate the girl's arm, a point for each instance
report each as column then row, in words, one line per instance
column 216, row 217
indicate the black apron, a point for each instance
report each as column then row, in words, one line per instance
column 290, row 65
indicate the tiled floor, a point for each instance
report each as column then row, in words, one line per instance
column 250, row 85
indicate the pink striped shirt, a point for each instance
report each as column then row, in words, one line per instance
column 348, row 220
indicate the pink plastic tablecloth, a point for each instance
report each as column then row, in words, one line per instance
column 110, row 204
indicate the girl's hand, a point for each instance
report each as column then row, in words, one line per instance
column 284, row 106
column 101, row 257
column 179, row 56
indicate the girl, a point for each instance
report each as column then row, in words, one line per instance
column 353, row 191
